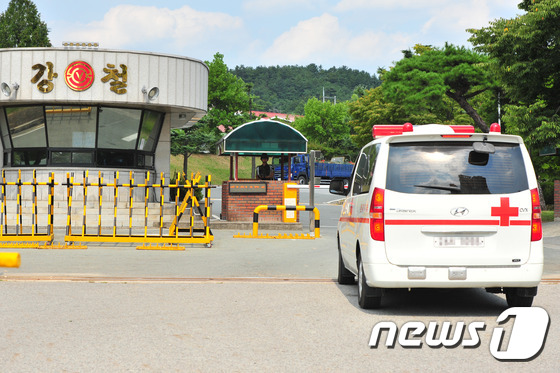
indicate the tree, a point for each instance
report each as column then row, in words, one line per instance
column 324, row 120
column 423, row 80
column 525, row 57
column 228, row 98
column 525, row 51
column 370, row 109
column 190, row 141
column 325, row 125
column 21, row 26
column 286, row 89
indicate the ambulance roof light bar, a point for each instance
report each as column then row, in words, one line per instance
column 381, row 130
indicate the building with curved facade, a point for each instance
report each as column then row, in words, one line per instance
column 70, row 108
column 67, row 110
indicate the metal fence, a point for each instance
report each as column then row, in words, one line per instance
column 100, row 207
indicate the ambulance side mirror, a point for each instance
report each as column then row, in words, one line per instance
column 339, row 186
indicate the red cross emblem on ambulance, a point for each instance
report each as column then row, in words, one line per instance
column 504, row 211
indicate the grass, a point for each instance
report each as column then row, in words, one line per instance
column 211, row 164
column 547, row 216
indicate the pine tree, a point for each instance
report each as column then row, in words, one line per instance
column 21, row 26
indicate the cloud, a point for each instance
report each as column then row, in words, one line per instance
column 350, row 5
column 127, row 25
column 309, row 38
column 259, row 6
column 434, row 21
column 322, row 39
column 458, row 16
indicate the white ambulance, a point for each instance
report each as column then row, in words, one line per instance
column 437, row 206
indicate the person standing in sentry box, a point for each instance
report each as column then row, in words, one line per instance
column 264, row 171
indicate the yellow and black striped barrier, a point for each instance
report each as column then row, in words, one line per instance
column 23, row 219
column 17, row 236
column 255, row 233
column 149, row 241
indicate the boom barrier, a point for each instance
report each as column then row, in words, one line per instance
column 170, row 240
column 255, row 233
column 19, row 221
column 104, row 209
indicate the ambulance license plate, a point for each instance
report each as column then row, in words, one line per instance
column 458, row 241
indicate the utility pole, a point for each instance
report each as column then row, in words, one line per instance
column 329, row 97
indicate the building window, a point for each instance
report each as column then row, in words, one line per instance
column 29, row 157
column 6, row 142
column 27, row 126
column 151, row 128
column 79, row 136
column 74, row 158
column 118, row 128
column 71, row 126
column 115, row 158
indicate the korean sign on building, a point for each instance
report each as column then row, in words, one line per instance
column 79, row 76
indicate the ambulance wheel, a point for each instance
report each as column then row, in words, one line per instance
column 302, row 180
column 515, row 300
column 345, row 277
column 368, row 297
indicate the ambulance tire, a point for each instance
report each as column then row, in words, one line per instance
column 515, row 300
column 368, row 297
column 345, row 277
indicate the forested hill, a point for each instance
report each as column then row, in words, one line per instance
column 286, row 89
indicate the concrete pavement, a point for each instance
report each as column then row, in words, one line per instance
column 240, row 306
column 551, row 229
column 228, row 257
column 241, row 326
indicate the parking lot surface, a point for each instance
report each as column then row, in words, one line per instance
column 241, row 306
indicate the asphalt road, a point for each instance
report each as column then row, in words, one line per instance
column 241, row 306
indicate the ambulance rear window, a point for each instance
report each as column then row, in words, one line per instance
column 455, row 168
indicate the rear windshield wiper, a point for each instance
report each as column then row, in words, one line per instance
column 451, row 188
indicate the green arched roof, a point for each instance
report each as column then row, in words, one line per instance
column 263, row 136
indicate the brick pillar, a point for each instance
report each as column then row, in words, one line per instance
column 557, row 200
column 240, row 207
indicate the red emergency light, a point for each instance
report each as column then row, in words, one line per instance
column 380, row 130
column 495, row 127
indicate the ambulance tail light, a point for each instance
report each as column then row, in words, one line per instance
column 536, row 221
column 376, row 213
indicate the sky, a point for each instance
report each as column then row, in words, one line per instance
column 360, row 34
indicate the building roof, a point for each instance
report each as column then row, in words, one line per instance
column 270, row 115
column 175, row 85
column 263, row 136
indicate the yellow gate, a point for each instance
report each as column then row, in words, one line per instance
column 98, row 210
column 150, row 241
column 19, row 223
